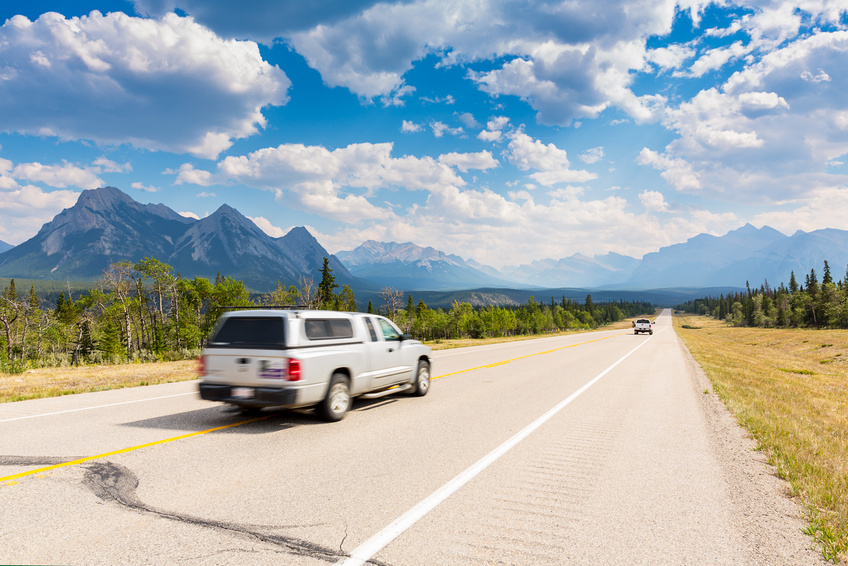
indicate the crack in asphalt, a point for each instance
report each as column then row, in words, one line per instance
column 344, row 538
column 115, row 483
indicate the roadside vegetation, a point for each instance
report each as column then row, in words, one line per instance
column 789, row 389
column 144, row 312
column 813, row 304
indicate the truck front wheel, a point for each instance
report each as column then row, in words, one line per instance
column 421, row 385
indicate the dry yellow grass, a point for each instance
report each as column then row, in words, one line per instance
column 52, row 382
column 789, row 388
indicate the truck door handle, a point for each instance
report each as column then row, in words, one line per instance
column 391, row 349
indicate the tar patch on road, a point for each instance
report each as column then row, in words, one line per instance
column 35, row 460
column 113, row 483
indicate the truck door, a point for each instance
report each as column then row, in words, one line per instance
column 386, row 358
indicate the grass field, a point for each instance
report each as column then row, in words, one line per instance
column 789, row 389
column 52, row 382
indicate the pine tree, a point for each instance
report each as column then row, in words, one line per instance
column 793, row 284
column 326, row 286
column 11, row 292
column 826, row 278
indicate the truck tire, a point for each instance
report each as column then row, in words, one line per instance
column 421, row 385
column 338, row 400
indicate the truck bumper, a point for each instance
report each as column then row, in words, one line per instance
column 262, row 396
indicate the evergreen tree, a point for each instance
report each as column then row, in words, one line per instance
column 370, row 308
column 793, row 284
column 812, row 284
column 826, row 278
column 326, row 286
column 347, row 302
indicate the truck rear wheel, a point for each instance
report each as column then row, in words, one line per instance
column 338, row 400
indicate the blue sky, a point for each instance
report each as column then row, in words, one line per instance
column 503, row 131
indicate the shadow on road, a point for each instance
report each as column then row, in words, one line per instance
column 270, row 419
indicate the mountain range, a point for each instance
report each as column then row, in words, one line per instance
column 408, row 266
column 107, row 226
column 577, row 270
column 747, row 254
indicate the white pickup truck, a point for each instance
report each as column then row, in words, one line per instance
column 643, row 325
column 302, row 358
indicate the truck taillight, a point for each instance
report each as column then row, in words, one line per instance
column 201, row 366
column 294, row 369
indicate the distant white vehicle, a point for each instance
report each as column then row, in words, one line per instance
column 293, row 358
column 643, row 325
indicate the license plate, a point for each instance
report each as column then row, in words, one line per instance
column 242, row 392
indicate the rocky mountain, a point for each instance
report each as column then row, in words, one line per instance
column 5, row 247
column 408, row 266
column 107, row 226
column 575, row 271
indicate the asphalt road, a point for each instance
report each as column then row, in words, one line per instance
column 597, row 448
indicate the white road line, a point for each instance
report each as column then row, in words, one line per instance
column 376, row 543
column 97, row 407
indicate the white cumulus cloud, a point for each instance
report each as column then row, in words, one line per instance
column 464, row 161
column 167, row 84
column 550, row 162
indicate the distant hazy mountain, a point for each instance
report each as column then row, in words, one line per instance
column 408, row 266
column 106, row 226
column 801, row 252
column 575, row 271
column 747, row 254
column 5, row 247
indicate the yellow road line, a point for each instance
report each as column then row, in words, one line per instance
column 14, row 477
column 125, row 450
column 527, row 356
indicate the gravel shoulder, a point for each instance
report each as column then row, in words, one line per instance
column 773, row 522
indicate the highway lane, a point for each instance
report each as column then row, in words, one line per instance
column 626, row 472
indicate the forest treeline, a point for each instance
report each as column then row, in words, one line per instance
column 814, row 304
column 143, row 311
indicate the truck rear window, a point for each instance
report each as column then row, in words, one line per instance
column 259, row 332
column 327, row 328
